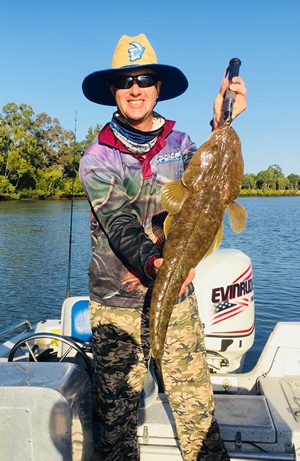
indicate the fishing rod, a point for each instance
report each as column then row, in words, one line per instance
column 233, row 70
column 68, row 290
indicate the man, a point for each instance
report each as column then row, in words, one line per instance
column 122, row 174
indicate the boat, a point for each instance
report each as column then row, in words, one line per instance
column 46, row 406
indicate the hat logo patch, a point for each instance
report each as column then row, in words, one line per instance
column 136, row 52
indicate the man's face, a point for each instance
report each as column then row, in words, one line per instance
column 135, row 103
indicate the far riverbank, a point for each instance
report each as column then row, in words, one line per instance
column 269, row 193
column 243, row 193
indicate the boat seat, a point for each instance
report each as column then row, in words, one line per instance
column 75, row 320
column 45, row 412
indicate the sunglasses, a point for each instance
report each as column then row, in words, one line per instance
column 123, row 82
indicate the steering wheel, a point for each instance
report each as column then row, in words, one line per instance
column 25, row 343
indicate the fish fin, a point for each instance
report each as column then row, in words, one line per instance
column 167, row 224
column 218, row 238
column 173, row 195
column 237, row 217
column 217, row 241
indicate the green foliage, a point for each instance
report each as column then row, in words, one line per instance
column 6, row 188
column 249, row 181
column 38, row 158
column 293, row 181
column 91, row 136
column 270, row 182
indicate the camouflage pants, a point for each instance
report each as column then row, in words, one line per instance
column 121, row 352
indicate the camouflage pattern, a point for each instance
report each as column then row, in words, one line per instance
column 188, row 387
column 121, row 349
column 121, row 352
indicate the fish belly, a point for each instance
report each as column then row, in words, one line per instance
column 191, row 235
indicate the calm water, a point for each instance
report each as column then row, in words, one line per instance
column 34, row 242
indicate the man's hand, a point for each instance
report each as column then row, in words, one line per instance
column 238, row 86
column 159, row 262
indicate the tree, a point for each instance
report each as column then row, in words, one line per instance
column 6, row 188
column 276, row 170
column 18, row 168
column 90, row 137
column 49, row 180
column 271, row 179
column 282, row 183
column 249, row 181
column 52, row 140
column 293, row 181
column 32, row 146
column 266, row 180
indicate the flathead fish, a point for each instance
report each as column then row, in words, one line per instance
column 196, row 205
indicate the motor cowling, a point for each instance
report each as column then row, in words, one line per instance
column 224, row 290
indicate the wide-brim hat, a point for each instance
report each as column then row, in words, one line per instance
column 133, row 53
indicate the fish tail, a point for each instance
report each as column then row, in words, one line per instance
column 237, row 217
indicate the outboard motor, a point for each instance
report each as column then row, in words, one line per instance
column 224, row 290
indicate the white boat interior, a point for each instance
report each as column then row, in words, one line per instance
column 46, row 409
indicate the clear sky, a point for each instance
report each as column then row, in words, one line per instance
column 48, row 47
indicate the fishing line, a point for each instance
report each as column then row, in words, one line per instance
column 68, row 290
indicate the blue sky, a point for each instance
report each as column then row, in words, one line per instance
column 48, row 47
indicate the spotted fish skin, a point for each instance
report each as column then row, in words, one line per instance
column 196, row 205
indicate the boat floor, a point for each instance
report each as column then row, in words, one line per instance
column 246, row 426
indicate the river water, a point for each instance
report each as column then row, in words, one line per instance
column 34, row 244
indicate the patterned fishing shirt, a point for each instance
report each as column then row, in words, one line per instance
column 127, row 216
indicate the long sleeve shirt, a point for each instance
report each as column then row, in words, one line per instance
column 127, row 219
